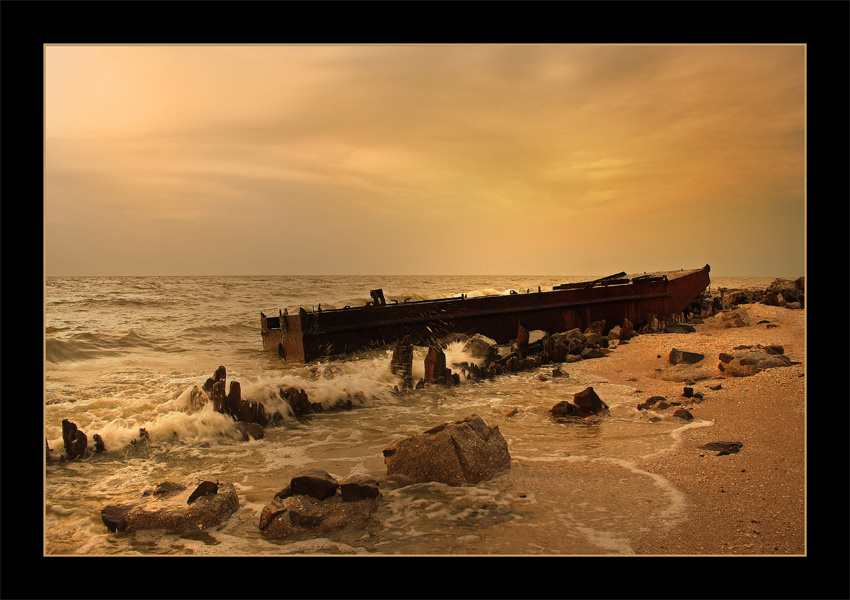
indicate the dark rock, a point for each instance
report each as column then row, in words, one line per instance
column 688, row 392
column 166, row 488
column 305, row 515
column 556, row 372
column 76, row 442
column 596, row 327
column 565, row 408
column 670, row 327
column 650, row 402
column 593, row 353
column 114, row 516
column 205, row 488
column 315, row 483
column 681, row 356
column 481, row 347
column 466, row 451
column 358, row 487
column 250, row 430
column 723, row 447
column 588, row 401
column 99, row 446
column 684, row 414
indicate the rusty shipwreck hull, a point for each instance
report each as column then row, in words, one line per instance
column 308, row 336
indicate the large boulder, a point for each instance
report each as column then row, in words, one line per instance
column 466, row 451
column 481, row 348
column 735, row 318
column 585, row 403
column 208, row 505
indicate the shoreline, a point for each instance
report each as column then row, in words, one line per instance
column 746, row 503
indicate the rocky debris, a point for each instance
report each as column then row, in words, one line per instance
column 175, row 510
column 306, row 505
column 789, row 293
column 585, row 403
column 653, row 401
column 734, row 318
column 744, row 361
column 672, row 327
column 681, row 356
column 723, row 448
column 481, row 347
column 315, row 483
column 250, row 431
column 466, row 451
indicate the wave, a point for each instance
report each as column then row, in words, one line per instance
column 85, row 346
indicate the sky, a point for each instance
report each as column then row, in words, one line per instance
column 424, row 159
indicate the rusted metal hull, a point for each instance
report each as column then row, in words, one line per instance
column 308, row 336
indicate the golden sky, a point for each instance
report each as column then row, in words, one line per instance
column 424, row 159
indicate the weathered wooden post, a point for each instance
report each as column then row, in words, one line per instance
column 401, row 363
column 435, row 365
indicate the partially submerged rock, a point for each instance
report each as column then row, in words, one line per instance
column 585, row 403
column 466, row 451
column 208, row 505
column 307, row 505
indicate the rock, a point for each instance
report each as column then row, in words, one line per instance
column 751, row 361
column 596, row 327
column 735, row 318
column 511, row 413
column 76, row 442
column 684, row 414
column 688, row 392
column 165, row 489
column 670, row 327
column 594, row 353
column 205, row 488
column 304, row 515
column 614, row 333
column 650, row 402
column 790, row 290
column 114, row 516
column 724, row 448
column 174, row 513
column 564, row 408
column 466, row 451
column 556, row 372
column 627, row 331
column 679, row 356
column 481, row 347
column 99, row 446
column 358, row 487
column 250, row 430
column 589, row 401
column 315, row 483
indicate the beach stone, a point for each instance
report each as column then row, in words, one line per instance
column 650, row 402
column 481, row 347
column 670, row 327
column 735, row 318
column 723, row 448
column 684, row 414
column 465, row 451
column 315, row 483
column 174, row 513
column 307, row 516
column 680, row 356
column 164, row 489
column 205, row 488
column 358, row 487
column 749, row 362
column 589, row 401
column 565, row 408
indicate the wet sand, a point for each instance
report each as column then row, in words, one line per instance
column 746, row 503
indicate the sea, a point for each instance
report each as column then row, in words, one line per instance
column 123, row 353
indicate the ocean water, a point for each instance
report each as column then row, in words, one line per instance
column 122, row 353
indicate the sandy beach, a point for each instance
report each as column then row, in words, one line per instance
column 747, row 503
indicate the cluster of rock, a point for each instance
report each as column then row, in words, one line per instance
column 661, row 403
column 744, row 361
column 169, row 506
column 789, row 293
column 465, row 451
column 316, row 503
column 585, row 404
column 530, row 350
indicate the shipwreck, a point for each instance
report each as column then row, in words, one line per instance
column 307, row 336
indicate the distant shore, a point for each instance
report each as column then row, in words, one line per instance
column 749, row 502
